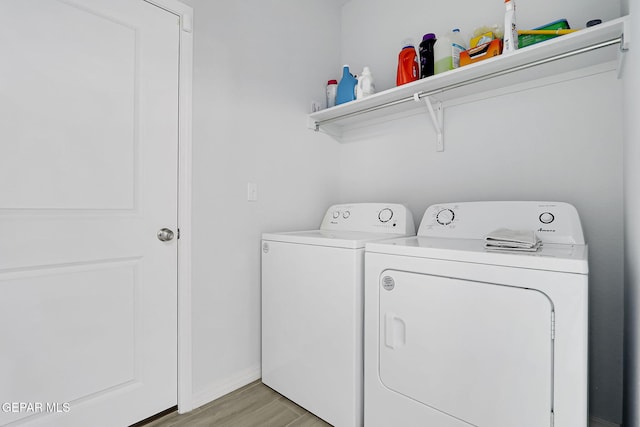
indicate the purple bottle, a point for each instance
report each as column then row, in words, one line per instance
column 426, row 55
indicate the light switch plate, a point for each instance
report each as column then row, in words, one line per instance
column 252, row 191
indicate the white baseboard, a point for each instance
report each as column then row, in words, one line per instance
column 229, row 384
column 597, row 422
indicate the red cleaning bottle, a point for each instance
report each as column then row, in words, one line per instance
column 408, row 66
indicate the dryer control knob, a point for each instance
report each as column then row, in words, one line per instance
column 445, row 217
column 346, row 214
column 336, row 214
column 546, row 218
column 385, row 215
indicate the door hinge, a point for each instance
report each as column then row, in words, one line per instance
column 186, row 22
column 553, row 324
column 178, row 233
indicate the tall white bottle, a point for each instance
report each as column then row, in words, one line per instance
column 510, row 30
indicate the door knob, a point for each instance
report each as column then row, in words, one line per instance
column 165, row 235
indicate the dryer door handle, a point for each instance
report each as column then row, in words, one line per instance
column 395, row 331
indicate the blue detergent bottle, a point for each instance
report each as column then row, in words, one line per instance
column 346, row 87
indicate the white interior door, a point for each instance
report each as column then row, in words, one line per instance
column 88, row 175
column 479, row 352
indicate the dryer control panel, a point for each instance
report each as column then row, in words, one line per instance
column 553, row 222
column 391, row 218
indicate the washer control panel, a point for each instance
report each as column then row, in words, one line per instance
column 553, row 222
column 389, row 218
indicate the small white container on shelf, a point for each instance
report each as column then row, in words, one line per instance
column 365, row 85
column 332, row 90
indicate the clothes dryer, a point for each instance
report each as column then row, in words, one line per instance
column 312, row 308
column 457, row 335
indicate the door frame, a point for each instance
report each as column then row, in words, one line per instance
column 185, row 85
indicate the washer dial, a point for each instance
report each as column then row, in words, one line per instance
column 546, row 218
column 385, row 215
column 445, row 217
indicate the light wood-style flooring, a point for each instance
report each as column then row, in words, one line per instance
column 254, row 405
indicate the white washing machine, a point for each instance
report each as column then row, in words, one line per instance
column 312, row 308
column 456, row 335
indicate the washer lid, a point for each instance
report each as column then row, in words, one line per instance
column 330, row 238
column 550, row 257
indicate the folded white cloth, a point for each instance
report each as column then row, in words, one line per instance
column 504, row 239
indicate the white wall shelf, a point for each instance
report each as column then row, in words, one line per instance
column 572, row 52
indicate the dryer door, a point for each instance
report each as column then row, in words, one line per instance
column 480, row 352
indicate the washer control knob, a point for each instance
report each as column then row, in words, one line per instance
column 336, row 214
column 346, row 214
column 546, row 218
column 385, row 215
column 445, row 217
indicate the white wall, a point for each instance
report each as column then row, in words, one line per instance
column 559, row 142
column 257, row 65
column 632, row 226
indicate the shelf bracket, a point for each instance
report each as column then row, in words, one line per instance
column 624, row 47
column 625, row 41
column 437, row 118
column 312, row 125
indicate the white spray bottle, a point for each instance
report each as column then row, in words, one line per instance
column 510, row 31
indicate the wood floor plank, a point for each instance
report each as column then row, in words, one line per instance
column 232, row 406
column 252, row 405
column 293, row 406
column 308, row 420
column 229, row 407
column 275, row 414
column 165, row 421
